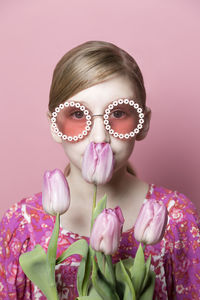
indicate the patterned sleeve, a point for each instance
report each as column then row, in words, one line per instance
column 184, row 225
column 14, row 241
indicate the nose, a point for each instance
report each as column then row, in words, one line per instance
column 98, row 133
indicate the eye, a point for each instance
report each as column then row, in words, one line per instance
column 78, row 114
column 118, row 114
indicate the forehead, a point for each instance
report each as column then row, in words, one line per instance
column 100, row 95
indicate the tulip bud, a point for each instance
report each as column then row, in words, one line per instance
column 151, row 222
column 55, row 193
column 98, row 163
column 106, row 231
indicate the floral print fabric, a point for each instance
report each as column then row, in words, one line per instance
column 175, row 260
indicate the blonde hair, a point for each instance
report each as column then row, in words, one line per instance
column 89, row 64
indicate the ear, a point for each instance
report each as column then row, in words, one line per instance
column 55, row 137
column 143, row 132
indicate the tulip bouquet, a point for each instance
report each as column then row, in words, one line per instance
column 97, row 277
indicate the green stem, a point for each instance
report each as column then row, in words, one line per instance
column 52, row 248
column 51, row 257
column 53, row 294
column 88, row 269
column 93, row 205
column 104, row 263
column 143, row 247
column 94, row 197
column 111, row 269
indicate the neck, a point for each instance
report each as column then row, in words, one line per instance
column 84, row 190
column 119, row 190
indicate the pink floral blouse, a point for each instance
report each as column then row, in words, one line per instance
column 175, row 260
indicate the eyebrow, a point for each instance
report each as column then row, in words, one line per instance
column 86, row 104
column 81, row 102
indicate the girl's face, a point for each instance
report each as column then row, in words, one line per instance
column 96, row 99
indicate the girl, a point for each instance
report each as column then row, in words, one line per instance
column 98, row 79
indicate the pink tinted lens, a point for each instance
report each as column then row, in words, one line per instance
column 71, row 121
column 123, row 118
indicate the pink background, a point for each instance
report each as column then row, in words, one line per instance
column 163, row 36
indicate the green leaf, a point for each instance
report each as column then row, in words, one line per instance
column 93, row 293
column 88, row 298
column 88, row 269
column 102, row 287
column 80, row 276
column 106, row 267
column 128, row 264
column 83, row 275
column 52, row 248
column 101, row 205
column 138, row 270
column 109, row 271
column 40, row 267
column 79, row 247
column 124, row 279
column 35, row 266
column 100, row 261
column 147, row 268
column 149, row 290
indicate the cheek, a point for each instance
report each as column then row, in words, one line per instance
column 122, row 150
column 74, row 152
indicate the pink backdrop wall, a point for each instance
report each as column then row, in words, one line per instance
column 163, row 36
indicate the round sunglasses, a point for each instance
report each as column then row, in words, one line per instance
column 72, row 120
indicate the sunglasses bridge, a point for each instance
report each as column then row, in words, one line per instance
column 98, row 115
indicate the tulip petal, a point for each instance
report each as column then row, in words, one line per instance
column 98, row 162
column 143, row 220
column 46, row 192
column 106, row 231
column 151, row 222
column 55, row 192
column 119, row 214
column 89, row 162
column 104, row 166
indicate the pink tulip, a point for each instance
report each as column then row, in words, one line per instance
column 151, row 222
column 106, row 231
column 55, row 193
column 98, row 163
